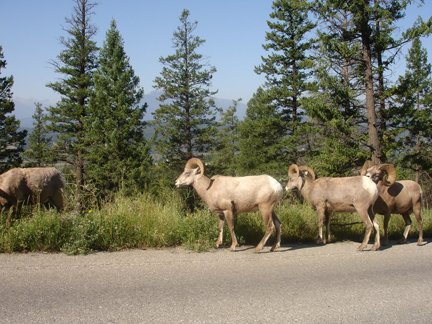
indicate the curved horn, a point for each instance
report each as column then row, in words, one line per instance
column 293, row 171
column 391, row 174
column 366, row 166
column 308, row 169
column 191, row 163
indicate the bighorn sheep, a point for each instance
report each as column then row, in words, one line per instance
column 226, row 196
column 30, row 186
column 395, row 197
column 328, row 195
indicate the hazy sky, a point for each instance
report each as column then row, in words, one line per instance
column 234, row 31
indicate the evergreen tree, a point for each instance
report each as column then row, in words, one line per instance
column 288, row 67
column 335, row 105
column 411, row 114
column 226, row 141
column 76, row 63
column 12, row 140
column 39, row 152
column 118, row 152
column 261, row 148
column 185, row 125
column 373, row 23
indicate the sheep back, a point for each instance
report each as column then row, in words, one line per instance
column 244, row 194
column 342, row 194
column 399, row 198
column 21, row 184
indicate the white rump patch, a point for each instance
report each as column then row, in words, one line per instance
column 370, row 186
column 277, row 187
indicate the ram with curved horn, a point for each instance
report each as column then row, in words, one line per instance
column 395, row 197
column 226, row 196
column 328, row 195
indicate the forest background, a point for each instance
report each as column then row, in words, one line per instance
column 329, row 100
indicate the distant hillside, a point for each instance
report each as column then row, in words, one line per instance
column 25, row 108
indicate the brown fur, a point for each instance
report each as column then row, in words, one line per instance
column 30, row 186
column 396, row 197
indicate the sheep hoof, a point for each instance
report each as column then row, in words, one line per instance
column 402, row 240
column 233, row 247
column 361, row 247
column 258, row 249
column 375, row 247
column 420, row 242
column 319, row 241
column 274, row 247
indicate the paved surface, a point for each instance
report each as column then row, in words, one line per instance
column 296, row 284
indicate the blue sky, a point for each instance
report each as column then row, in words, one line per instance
column 234, row 31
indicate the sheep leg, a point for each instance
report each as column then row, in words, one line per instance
column 229, row 216
column 408, row 223
column 57, row 200
column 370, row 222
column 420, row 223
column 321, row 213
column 377, row 243
column 386, row 222
column 267, row 217
column 9, row 218
column 277, row 223
column 327, row 221
column 221, row 226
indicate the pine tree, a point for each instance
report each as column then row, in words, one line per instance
column 411, row 114
column 39, row 152
column 76, row 63
column 118, row 152
column 226, row 141
column 185, row 124
column 261, row 146
column 373, row 23
column 289, row 66
column 12, row 140
column 334, row 106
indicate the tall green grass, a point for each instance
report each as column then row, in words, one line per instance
column 151, row 221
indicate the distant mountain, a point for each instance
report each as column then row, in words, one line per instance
column 25, row 108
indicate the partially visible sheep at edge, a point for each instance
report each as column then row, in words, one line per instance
column 226, row 196
column 31, row 186
column 395, row 197
column 328, row 195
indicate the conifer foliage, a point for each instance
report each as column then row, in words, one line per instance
column 411, row 113
column 118, row 154
column 185, row 121
column 39, row 152
column 11, row 139
column 76, row 63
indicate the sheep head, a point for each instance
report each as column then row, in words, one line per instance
column 368, row 164
column 307, row 171
column 295, row 174
column 382, row 172
column 194, row 170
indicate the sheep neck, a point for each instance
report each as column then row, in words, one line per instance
column 306, row 187
column 201, row 187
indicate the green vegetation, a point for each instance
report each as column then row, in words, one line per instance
column 326, row 102
column 148, row 221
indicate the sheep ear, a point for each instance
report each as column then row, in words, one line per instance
column 197, row 170
column 366, row 166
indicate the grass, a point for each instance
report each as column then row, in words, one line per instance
column 148, row 221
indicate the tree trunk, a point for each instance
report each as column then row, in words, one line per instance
column 374, row 142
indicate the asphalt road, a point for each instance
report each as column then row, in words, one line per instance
column 296, row 284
